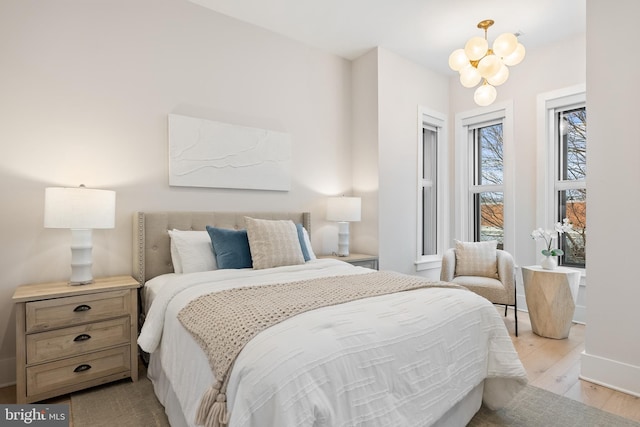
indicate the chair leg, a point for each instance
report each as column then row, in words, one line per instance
column 505, row 310
column 515, row 313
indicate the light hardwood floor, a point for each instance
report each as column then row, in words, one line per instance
column 552, row 365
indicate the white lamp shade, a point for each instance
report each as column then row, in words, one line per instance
column 458, row 59
column 516, row 57
column 469, row 76
column 500, row 77
column 489, row 66
column 79, row 208
column 476, row 48
column 343, row 209
column 485, row 95
column 505, row 44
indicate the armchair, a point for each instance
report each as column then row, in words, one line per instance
column 498, row 290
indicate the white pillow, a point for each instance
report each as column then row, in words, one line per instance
column 273, row 243
column 477, row 259
column 175, row 256
column 193, row 251
column 307, row 243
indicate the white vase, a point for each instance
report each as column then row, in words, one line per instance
column 549, row 263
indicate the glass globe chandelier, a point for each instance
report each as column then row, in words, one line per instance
column 478, row 63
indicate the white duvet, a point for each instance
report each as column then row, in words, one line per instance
column 395, row 360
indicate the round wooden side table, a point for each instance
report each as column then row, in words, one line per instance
column 551, row 299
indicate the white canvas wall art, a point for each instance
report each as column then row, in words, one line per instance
column 205, row 153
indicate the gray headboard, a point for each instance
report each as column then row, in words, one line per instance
column 151, row 242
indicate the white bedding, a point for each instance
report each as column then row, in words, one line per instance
column 399, row 359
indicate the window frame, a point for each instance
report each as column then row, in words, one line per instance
column 429, row 180
column 475, row 189
column 465, row 122
column 548, row 105
column 438, row 121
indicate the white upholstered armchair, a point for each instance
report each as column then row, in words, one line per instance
column 492, row 279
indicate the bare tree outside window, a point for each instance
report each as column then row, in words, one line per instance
column 488, row 198
column 571, row 184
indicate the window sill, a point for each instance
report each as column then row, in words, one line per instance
column 430, row 262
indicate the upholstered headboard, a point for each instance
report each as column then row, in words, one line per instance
column 151, row 242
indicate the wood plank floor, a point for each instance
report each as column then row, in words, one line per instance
column 552, row 365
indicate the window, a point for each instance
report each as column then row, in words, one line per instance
column 571, row 185
column 432, row 195
column 484, row 176
column 563, row 169
column 429, row 184
column 486, row 189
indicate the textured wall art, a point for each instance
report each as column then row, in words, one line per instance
column 205, row 153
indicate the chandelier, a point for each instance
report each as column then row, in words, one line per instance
column 478, row 63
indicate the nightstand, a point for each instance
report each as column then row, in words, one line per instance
column 360, row 260
column 72, row 337
column 551, row 297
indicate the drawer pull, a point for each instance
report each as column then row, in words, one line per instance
column 82, row 307
column 82, row 368
column 82, row 337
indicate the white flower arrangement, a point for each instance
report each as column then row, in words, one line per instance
column 549, row 235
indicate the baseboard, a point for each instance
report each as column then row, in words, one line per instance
column 610, row 373
column 580, row 315
column 7, row 372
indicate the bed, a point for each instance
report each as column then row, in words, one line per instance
column 428, row 356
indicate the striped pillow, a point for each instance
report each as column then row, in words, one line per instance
column 477, row 259
column 273, row 243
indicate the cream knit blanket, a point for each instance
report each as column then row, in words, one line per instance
column 224, row 322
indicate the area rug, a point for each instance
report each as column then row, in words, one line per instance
column 122, row 403
column 535, row 407
column 128, row 404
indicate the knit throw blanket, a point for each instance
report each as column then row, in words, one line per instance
column 223, row 322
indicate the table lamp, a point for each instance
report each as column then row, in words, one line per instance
column 343, row 210
column 80, row 210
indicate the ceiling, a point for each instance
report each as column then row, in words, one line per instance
column 424, row 31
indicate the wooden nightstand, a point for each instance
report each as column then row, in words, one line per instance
column 72, row 337
column 361, row 260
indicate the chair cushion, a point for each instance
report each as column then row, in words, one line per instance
column 491, row 289
column 477, row 259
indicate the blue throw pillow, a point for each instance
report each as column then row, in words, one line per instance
column 231, row 247
column 303, row 246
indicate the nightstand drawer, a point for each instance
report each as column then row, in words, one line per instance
column 62, row 312
column 45, row 346
column 75, row 370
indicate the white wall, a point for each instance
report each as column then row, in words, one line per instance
column 387, row 92
column 543, row 70
column 612, row 347
column 365, row 169
column 86, row 88
column 402, row 86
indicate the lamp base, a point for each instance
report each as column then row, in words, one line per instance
column 343, row 238
column 81, row 262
